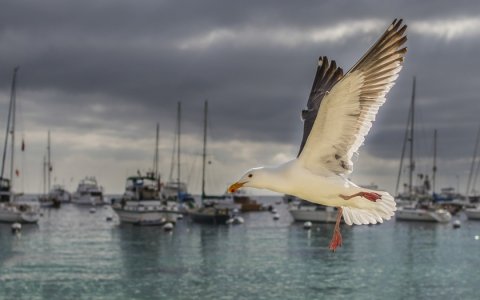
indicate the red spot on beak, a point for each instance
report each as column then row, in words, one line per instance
column 235, row 186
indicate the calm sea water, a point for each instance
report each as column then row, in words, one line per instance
column 72, row 254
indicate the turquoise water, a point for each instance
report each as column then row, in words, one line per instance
column 72, row 254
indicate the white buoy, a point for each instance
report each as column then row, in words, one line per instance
column 456, row 224
column 168, row 226
column 237, row 220
column 92, row 210
column 180, row 217
column 273, row 211
column 307, row 225
column 276, row 216
column 16, row 227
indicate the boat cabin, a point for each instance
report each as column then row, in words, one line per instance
column 142, row 188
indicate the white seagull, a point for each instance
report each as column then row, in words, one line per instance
column 339, row 114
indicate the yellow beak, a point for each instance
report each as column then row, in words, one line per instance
column 235, row 187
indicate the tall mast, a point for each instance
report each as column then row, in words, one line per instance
column 204, row 155
column 404, row 147
column 155, row 156
column 472, row 166
column 179, row 115
column 49, row 165
column 10, row 112
column 434, row 160
column 13, row 98
column 44, row 175
column 412, row 123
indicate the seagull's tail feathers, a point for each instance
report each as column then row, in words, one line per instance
column 383, row 209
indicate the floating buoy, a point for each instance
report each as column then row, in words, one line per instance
column 92, row 210
column 276, row 216
column 273, row 211
column 456, row 224
column 168, row 226
column 16, row 227
column 238, row 220
column 235, row 220
column 180, row 217
column 109, row 218
column 307, row 225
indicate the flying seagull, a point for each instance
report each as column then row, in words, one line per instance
column 340, row 111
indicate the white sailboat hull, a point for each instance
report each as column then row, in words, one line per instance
column 329, row 215
column 145, row 213
column 473, row 213
column 11, row 214
column 424, row 215
column 87, row 199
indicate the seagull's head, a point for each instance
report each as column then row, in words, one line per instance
column 253, row 178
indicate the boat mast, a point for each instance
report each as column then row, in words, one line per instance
column 10, row 112
column 434, row 169
column 412, row 123
column 472, row 166
column 404, row 147
column 155, row 156
column 49, row 165
column 179, row 115
column 204, row 155
column 13, row 98
column 44, row 176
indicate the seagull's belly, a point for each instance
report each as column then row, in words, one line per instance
column 323, row 190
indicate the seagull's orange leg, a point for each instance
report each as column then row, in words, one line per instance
column 337, row 236
column 367, row 195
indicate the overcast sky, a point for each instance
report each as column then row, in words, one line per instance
column 100, row 74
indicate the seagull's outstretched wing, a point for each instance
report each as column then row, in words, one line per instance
column 326, row 77
column 349, row 107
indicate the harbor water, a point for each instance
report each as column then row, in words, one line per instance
column 75, row 254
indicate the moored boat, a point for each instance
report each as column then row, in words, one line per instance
column 12, row 209
column 473, row 213
column 303, row 211
column 422, row 212
column 141, row 204
column 88, row 192
column 247, row 204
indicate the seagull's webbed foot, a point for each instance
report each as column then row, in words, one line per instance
column 337, row 236
column 367, row 195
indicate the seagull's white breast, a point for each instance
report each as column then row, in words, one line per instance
column 323, row 188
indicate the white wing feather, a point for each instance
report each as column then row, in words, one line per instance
column 347, row 112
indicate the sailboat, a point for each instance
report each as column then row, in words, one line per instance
column 47, row 200
column 415, row 204
column 13, row 209
column 473, row 211
column 141, row 203
column 213, row 209
column 176, row 190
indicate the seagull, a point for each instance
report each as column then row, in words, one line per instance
column 339, row 114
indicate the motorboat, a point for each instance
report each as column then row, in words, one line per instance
column 88, row 192
column 141, row 203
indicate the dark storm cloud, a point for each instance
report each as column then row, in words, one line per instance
column 120, row 66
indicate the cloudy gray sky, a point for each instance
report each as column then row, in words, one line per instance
column 100, row 74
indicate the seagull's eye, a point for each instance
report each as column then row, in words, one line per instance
column 250, row 175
